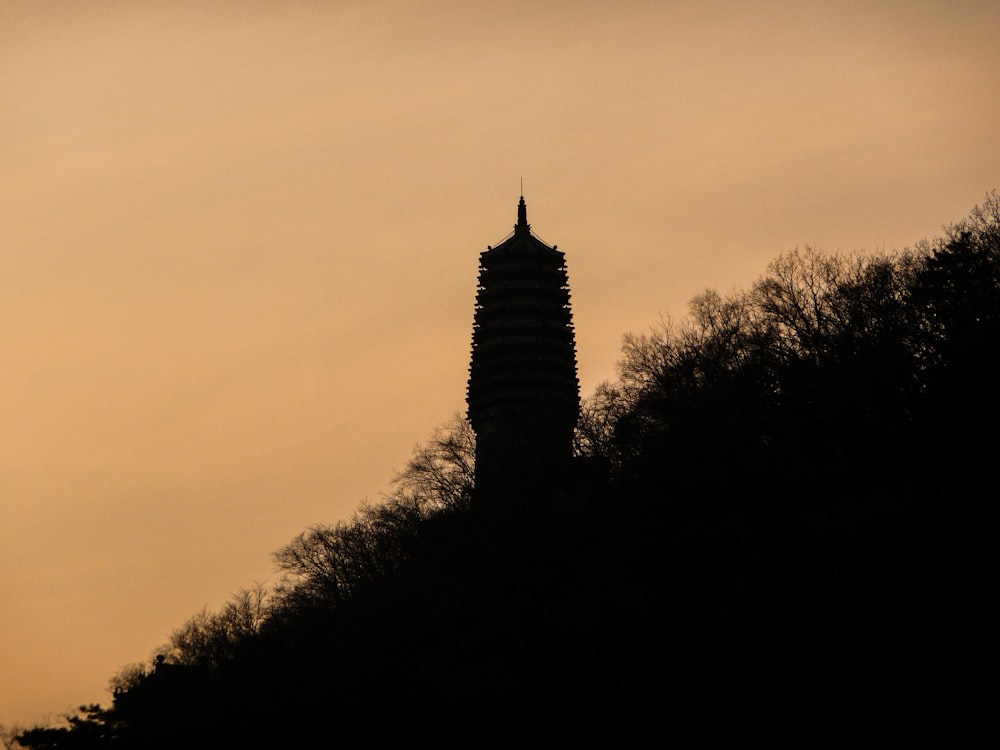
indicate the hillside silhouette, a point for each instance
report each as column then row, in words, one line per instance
column 776, row 510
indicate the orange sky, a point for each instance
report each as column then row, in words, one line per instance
column 239, row 243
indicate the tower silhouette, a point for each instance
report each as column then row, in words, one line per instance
column 523, row 394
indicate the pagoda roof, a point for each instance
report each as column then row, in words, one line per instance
column 521, row 238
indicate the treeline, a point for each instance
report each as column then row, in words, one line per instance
column 780, row 501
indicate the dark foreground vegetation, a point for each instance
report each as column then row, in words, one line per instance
column 778, row 509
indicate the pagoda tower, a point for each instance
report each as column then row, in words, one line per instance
column 523, row 394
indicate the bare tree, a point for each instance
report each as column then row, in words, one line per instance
column 211, row 638
column 327, row 563
column 594, row 437
column 441, row 473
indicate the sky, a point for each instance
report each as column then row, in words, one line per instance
column 239, row 246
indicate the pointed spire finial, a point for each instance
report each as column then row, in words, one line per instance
column 522, row 217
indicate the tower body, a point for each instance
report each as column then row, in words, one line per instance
column 523, row 394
